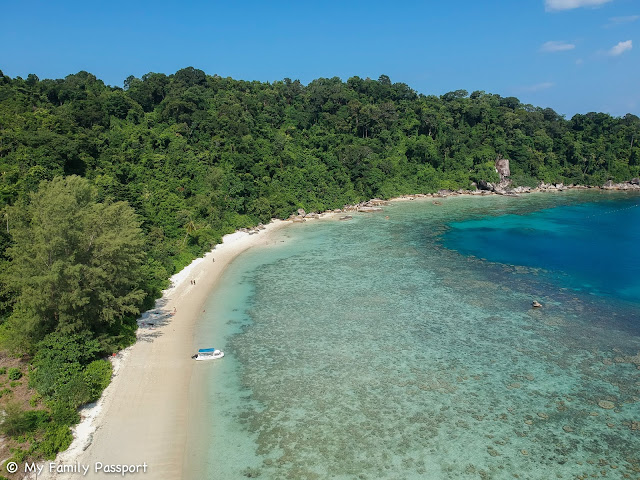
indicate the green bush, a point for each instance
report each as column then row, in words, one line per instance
column 35, row 399
column 57, row 438
column 3, row 370
column 15, row 374
column 97, row 376
column 64, row 414
column 59, row 360
column 19, row 422
column 74, row 392
column 523, row 180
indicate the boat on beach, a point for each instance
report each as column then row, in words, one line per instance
column 208, row 354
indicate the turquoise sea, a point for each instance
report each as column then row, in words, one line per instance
column 403, row 345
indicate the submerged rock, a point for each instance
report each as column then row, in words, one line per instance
column 606, row 404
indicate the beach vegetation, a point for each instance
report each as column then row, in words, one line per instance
column 97, row 376
column 18, row 422
column 75, row 264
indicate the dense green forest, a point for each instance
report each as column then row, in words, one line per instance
column 107, row 191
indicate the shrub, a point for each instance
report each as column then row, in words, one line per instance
column 15, row 374
column 64, row 414
column 74, row 392
column 3, row 370
column 59, row 360
column 97, row 376
column 523, row 180
column 19, row 422
column 57, row 438
column 35, row 399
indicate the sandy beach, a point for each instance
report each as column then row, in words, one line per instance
column 142, row 418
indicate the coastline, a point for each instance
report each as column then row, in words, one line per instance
column 142, row 417
column 145, row 414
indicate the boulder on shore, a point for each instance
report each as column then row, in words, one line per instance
column 484, row 185
column 369, row 209
column 376, row 202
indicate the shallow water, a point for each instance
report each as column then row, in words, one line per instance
column 373, row 348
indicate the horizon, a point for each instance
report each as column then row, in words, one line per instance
column 574, row 56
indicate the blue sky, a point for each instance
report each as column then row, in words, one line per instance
column 574, row 56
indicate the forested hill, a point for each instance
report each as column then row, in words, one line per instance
column 198, row 156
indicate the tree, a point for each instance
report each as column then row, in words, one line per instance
column 75, row 263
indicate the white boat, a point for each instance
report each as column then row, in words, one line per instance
column 208, row 354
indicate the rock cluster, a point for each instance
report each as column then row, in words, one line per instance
column 482, row 187
column 254, row 230
column 633, row 184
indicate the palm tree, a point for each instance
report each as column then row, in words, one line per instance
column 190, row 227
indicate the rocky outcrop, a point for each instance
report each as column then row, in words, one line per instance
column 630, row 185
column 550, row 187
column 366, row 209
column 376, row 202
column 502, row 167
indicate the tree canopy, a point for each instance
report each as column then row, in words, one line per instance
column 197, row 156
column 75, row 263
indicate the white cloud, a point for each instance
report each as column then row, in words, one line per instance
column 620, row 48
column 554, row 46
column 556, row 5
column 615, row 21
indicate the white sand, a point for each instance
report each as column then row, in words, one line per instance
column 142, row 416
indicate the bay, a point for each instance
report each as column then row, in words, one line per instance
column 403, row 345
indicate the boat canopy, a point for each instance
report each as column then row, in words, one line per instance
column 206, row 350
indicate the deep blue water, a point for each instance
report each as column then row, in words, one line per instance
column 593, row 247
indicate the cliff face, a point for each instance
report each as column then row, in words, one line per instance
column 502, row 166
